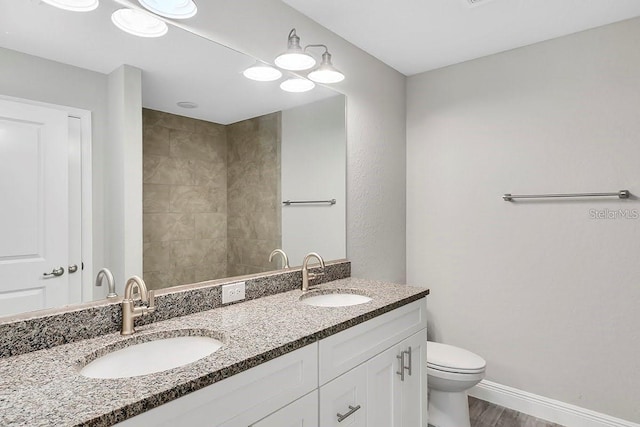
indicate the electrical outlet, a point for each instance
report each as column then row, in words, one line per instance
column 233, row 292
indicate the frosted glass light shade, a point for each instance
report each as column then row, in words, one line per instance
column 262, row 73
column 74, row 5
column 174, row 9
column 139, row 23
column 295, row 61
column 297, row 85
column 326, row 72
column 326, row 76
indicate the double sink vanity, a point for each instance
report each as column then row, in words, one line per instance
column 347, row 352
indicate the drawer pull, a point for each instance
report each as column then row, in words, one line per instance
column 352, row 409
column 408, row 368
column 402, row 367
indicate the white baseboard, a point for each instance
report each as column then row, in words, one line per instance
column 544, row 408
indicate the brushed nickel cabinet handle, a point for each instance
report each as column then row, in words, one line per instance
column 400, row 357
column 352, row 409
column 73, row 268
column 408, row 368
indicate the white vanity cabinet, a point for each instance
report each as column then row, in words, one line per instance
column 372, row 374
column 382, row 385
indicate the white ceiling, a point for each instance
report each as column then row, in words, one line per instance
column 414, row 36
column 177, row 67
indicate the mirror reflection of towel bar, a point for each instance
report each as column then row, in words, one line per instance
column 622, row 194
column 308, row 202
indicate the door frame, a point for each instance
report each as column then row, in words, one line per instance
column 86, row 185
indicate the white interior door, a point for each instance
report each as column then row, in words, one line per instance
column 34, row 228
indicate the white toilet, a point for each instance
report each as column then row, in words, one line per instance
column 451, row 371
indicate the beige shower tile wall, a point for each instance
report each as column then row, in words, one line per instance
column 184, row 200
column 254, row 196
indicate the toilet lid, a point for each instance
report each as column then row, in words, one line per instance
column 453, row 359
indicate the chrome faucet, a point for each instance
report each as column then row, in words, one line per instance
column 306, row 276
column 285, row 259
column 106, row 274
column 129, row 310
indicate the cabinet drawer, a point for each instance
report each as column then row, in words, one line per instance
column 345, row 350
column 243, row 398
column 346, row 396
column 301, row 413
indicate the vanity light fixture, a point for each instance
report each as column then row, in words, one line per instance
column 74, row 5
column 297, row 84
column 295, row 58
column 262, row 72
column 139, row 23
column 173, row 9
column 326, row 72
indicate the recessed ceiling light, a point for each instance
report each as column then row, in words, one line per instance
column 262, row 72
column 297, row 85
column 174, row 9
column 74, row 5
column 139, row 23
column 187, row 104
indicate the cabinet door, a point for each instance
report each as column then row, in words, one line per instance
column 384, row 392
column 301, row 413
column 354, row 346
column 343, row 401
column 414, row 386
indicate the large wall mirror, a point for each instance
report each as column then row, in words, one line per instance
column 168, row 162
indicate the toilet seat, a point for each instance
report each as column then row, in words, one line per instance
column 455, row 370
column 447, row 358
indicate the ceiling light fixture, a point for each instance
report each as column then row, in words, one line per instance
column 262, row 72
column 295, row 58
column 74, row 5
column 297, row 84
column 326, row 72
column 139, row 23
column 173, row 9
column 187, row 104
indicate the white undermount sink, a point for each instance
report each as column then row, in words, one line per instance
column 151, row 357
column 333, row 298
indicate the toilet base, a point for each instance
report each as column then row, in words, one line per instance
column 447, row 409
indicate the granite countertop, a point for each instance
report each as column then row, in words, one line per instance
column 44, row 388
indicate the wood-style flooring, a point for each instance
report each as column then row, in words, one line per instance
column 485, row 414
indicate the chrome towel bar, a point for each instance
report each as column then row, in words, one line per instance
column 308, row 202
column 622, row 194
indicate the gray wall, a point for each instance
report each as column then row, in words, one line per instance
column 547, row 295
column 123, row 176
column 376, row 155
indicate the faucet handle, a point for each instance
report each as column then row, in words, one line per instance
column 151, row 303
column 315, row 275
